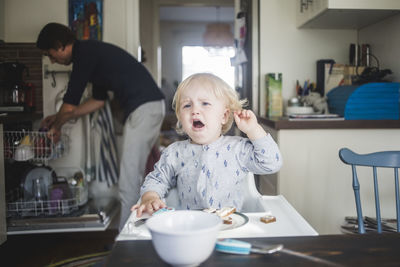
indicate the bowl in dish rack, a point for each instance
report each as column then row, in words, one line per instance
column 24, row 153
column 184, row 237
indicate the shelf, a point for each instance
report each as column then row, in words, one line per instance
column 285, row 124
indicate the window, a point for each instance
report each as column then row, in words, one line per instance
column 215, row 60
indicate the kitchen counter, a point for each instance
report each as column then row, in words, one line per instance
column 313, row 178
column 284, row 123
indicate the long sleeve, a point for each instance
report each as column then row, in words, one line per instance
column 261, row 156
column 212, row 175
column 163, row 177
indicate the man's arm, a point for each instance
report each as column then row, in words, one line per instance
column 68, row 112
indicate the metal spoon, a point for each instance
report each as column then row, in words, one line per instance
column 259, row 248
column 234, row 246
column 267, row 249
column 140, row 222
column 311, row 258
column 241, row 247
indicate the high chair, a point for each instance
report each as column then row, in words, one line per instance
column 252, row 198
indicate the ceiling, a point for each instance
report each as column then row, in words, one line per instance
column 197, row 14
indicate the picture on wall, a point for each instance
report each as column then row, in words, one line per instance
column 86, row 18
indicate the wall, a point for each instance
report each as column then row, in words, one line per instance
column 149, row 38
column 292, row 51
column 121, row 20
column 23, row 26
column 384, row 39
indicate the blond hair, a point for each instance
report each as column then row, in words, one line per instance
column 221, row 90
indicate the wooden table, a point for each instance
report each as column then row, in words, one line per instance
column 339, row 250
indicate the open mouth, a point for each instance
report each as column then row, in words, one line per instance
column 197, row 124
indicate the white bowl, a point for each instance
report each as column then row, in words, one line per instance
column 299, row 110
column 23, row 153
column 184, row 237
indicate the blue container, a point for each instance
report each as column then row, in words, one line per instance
column 371, row 101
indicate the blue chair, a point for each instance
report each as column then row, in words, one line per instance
column 384, row 159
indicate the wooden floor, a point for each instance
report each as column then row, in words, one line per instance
column 42, row 249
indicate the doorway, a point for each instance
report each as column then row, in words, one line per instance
column 183, row 50
column 216, row 60
column 173, row 40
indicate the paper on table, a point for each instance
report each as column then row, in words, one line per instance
column 132, row 232
column 312, row 117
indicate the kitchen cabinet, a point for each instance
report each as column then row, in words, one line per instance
column 343, row 14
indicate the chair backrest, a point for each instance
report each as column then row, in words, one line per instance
column 384, row 159
column 251, row 201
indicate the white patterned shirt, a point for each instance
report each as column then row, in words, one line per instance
column 212, row 175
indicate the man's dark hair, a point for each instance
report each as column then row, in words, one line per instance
column 55, row 35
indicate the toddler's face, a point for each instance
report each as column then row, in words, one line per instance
column 202, row 114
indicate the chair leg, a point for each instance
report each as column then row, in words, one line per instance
column 396, row 182
column 377, row 203
column 361, row 228
column 356, row 188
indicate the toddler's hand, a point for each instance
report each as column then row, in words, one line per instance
column 150, row 206
column 246, row 121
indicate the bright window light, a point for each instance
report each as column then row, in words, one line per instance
column 215, row 60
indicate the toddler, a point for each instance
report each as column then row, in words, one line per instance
column 208, row 168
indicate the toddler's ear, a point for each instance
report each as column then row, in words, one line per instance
column 226, row 116
column 179, row 125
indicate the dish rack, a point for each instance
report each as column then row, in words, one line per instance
column 19, row 206
column 33, row 145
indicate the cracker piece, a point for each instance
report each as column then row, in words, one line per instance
column 268, row 219
column 227, row 220
column 225, row 211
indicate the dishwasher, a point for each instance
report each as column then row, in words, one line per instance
column 44, row 199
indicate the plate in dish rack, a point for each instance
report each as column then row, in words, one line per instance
column 238, row 220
